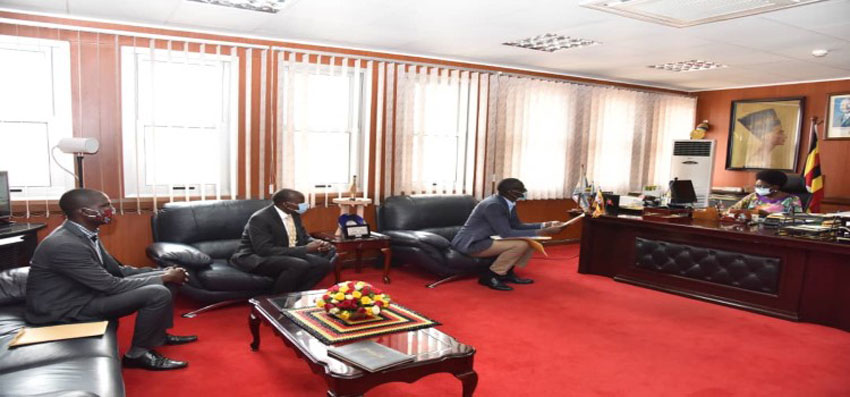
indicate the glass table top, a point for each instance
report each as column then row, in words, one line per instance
column 426, row 345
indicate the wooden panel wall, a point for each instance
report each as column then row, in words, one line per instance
column 96, row 111
column 716, row 106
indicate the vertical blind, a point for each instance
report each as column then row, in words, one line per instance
column 188, row 119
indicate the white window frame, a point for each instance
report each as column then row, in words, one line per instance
column 58, row 119
column 357, row 132
column 136, row 182
column 462, row 134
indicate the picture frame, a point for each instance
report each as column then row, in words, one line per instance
column 838, row 116
column 356, row 231
column 765, row 134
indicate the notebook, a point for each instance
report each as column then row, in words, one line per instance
column 28, row 336
column 369, row 355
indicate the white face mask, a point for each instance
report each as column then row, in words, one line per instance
column 762, row 191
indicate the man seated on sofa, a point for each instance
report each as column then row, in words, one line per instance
column 496, row 216
column 275, row 244
column 74, row 279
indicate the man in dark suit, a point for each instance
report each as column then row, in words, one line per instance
column 496, row 216
column 74, row 279
column 275, row 244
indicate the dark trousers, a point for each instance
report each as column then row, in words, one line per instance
column 154, row 307
column 292, row 273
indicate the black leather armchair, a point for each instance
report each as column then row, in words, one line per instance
column 421, row 229
column 796, row 185
column 67, row 368
column 201, row 236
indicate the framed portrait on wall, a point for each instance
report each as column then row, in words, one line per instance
column 838, row 116
column 765, row 134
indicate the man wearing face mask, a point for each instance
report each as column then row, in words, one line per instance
column 496, row 216
column 767, row 198
column 74, row 279
column 275, row 244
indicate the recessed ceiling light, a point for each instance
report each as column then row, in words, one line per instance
column 551, row 42
column 270, row 6
column 819, row 53
column 692, row 65
column 683, row 13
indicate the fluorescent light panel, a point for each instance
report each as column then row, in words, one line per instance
column 692, row 65
column 684, row 13
column 270, row 6
column 551, row 42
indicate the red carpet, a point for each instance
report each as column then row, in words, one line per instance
column 567, row 334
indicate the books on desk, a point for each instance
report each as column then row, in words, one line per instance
column 369, row 355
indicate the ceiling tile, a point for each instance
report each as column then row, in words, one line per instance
column 756, row 48
column 60, row 6
column 797, row 70
column 813, row 16
column 190, row 13
column 148, row 11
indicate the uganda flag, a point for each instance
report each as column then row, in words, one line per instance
column 814, row 179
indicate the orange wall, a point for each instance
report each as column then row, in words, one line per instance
column 715, row 106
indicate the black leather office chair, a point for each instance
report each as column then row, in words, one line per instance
column 201, row 236
column 796, row 185
column 421, row 229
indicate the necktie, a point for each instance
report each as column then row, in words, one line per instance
column 96, row 248
column 290, row 230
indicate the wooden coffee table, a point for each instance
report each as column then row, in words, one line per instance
column 434, row 350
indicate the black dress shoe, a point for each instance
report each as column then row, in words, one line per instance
column 492, row 280
column 179, row 340
column 153, row 361
column 511, row 277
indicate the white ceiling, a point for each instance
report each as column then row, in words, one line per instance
column 771, row 48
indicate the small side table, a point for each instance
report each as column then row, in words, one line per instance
column 346, row 247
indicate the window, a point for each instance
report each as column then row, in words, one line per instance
column 35, row 113
column 435, row 114
column 323, row 116
column 179, row 122
column 438, row 133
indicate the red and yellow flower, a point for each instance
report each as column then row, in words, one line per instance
column 353, row 299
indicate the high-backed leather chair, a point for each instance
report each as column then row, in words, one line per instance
column 796, row 185
column 201, row 236
column 421, row 229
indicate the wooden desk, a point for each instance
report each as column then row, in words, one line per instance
column 17, row 244
column 744, row 267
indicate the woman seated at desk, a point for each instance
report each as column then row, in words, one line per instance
column 767, row 198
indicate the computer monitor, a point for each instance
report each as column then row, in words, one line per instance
column 682, row 192
column 5, row 198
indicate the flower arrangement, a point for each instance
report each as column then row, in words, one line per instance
column 352, row 300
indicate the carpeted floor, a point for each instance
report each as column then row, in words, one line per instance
column 567, row 334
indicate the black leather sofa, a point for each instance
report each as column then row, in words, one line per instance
column 421, row 229
column 201, row 236
column 74, row 367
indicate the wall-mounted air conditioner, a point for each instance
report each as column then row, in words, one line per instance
column 694, row 160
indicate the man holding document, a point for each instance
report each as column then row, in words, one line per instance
column 496, row 216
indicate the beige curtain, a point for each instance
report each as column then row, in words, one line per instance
column 543, row 132
column 435, row 116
